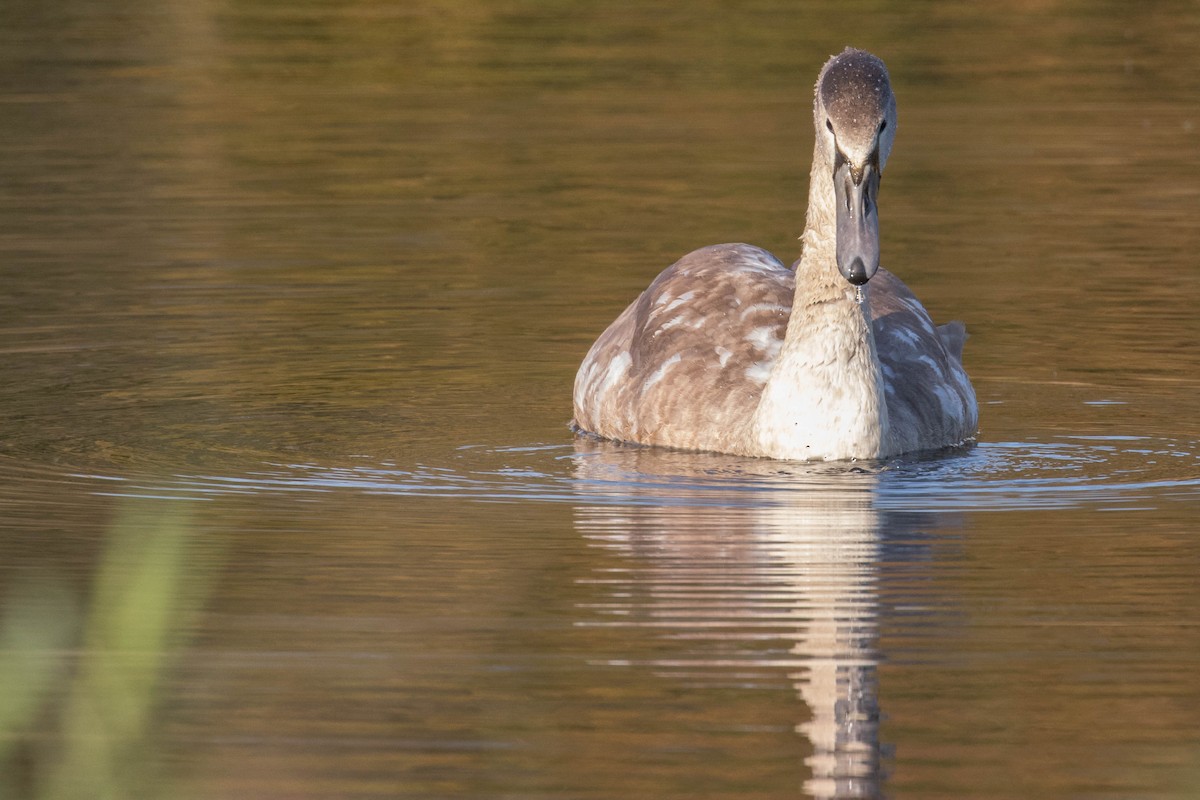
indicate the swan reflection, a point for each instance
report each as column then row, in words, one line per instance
column 735, row 555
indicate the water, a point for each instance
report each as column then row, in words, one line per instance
column 291, row 300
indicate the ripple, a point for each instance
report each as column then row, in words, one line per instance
column 1106, row 472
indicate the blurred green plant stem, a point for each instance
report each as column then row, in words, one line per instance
column 81, row 682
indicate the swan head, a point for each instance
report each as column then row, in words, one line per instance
column 855, row 118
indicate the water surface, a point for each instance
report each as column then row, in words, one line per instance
column 291, row 300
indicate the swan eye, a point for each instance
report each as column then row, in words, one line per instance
column 829, row 124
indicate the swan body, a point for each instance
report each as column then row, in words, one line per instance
column 729, row 350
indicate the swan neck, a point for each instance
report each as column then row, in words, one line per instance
column 817, row 276
column 825, row 398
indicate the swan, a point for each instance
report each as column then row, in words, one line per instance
column 730, row 351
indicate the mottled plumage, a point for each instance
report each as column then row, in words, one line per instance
column 729, row 350
column 685, row 363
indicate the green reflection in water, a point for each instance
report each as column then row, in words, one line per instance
column 82, row 682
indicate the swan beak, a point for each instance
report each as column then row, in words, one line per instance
column 857, row 221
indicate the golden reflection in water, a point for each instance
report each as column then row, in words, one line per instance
column 732, row 577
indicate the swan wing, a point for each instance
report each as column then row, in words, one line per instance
column 931, row 402
column 685, row 363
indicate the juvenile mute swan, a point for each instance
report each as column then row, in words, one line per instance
column 730, row 351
